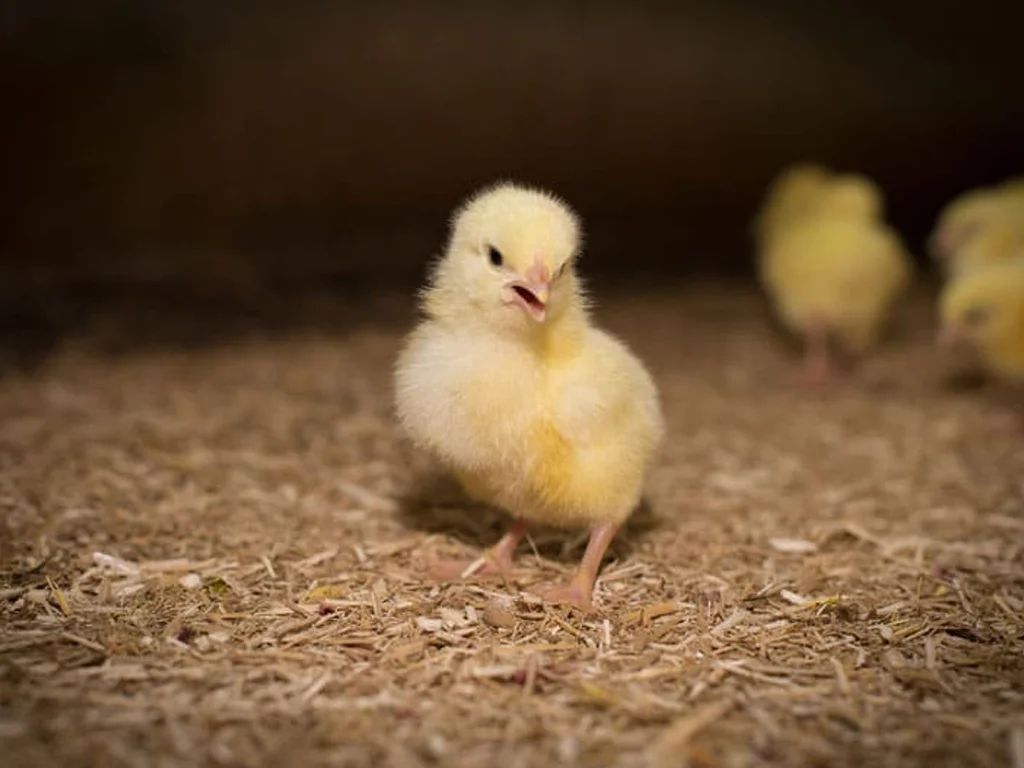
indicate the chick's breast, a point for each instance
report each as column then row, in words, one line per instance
column 465, row 397
column 842, row 272
column 595, row 440
column 561, row 438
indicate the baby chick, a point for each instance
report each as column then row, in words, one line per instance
column 834, row 278
column 508, row 383
column 972, row 213
column 985, row 309
column 1001, row 239
column 806, row 190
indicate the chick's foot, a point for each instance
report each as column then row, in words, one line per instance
column 456, row 570
column 1007, row 422
column 816, row 373
column 574, row 593
column 579, row 592
column 497, row 561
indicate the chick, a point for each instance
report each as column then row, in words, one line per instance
column 790, row 195
column 508, row 383
column 961, row 218
column 972, row 213
column 1001, row 239
column 833, row 278
column 985, row 309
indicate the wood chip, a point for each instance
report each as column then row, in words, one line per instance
column 497, row 616
column 191, row 581
column 794, row 546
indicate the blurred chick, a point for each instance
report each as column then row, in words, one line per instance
column 972, row 213
column 806, row 190
column 790, row 195
column 985, row 310
column 834, row 279
column 507, row 383
column 1001, row 239
column 849, row 196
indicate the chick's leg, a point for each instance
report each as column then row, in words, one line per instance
column 1008, row 422
column 580, row 591
column 496, row 561
column 817, row 368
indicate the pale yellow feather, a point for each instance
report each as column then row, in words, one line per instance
column 971, row 215
column 987, row 307
column 556, row 422
column 842, row 273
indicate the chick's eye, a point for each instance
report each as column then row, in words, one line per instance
column 495, row 256
column 976, row 316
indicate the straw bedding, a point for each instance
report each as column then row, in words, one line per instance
column 211, row 554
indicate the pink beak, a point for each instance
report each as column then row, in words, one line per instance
column 532, row 294
column 939, row 246
column 949, row 335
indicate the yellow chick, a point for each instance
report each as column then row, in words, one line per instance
column 985, row 309
column 508, row 383
column 1001, row 239
column 834, row 279
column 850, row 196
column 790, row 195
column 970, row 214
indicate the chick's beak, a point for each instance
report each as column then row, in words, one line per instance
column 949, row 335
column 531, row 297
column 532, row 293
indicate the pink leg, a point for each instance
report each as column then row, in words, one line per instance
column 580, row 591
column 1009, row 422
column 496, row 561
column 817, row 370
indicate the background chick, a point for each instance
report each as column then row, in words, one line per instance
column 1001, row 239
column 849, row 196
column 833, row 278
column 970, row 214
column 985, row 310
column 508, row 384
column 807, row 190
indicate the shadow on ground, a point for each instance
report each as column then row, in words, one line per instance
column 436, row 504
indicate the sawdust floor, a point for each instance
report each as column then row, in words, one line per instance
column 212, row 556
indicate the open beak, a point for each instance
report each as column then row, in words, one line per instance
column 531, row 297
column 938, row 247
column 532, row 293
column 949, row 335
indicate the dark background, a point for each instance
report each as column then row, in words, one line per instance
column 238, row 143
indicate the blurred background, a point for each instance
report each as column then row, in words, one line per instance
column 241, row 148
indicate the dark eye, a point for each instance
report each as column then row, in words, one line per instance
column 976, row 316
column 495, row 256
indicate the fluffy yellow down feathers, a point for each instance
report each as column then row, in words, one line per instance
column 508, row 383
column 828, row 262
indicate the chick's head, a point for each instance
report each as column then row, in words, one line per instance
column 789, row 193
column 800, row 178
column 510, row 258
column 961, row 220
column 985, row 308
column 852, row 197
column 1001, row 239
